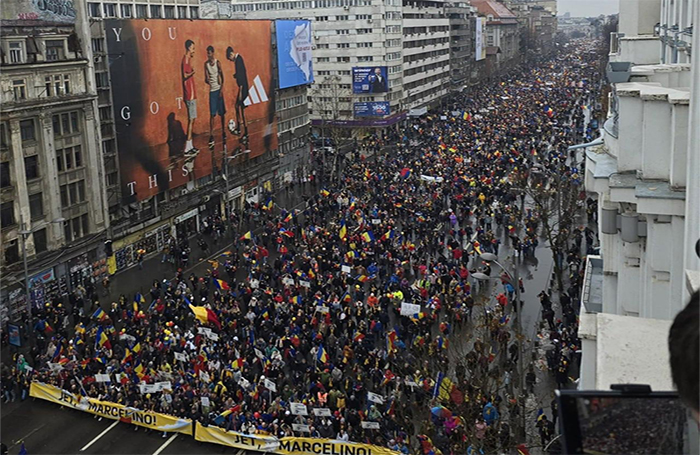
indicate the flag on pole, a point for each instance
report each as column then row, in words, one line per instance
column 221, row 284
column 99, row 314
column 247, row 236
column 322, row 355
column 205, row 315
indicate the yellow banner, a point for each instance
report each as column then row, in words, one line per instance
column 285, row 446
column 152, row 420
column 313, row 446
column 216, row 435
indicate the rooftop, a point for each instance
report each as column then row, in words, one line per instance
column 494, row 8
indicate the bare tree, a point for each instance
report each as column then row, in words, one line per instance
column 332, row 101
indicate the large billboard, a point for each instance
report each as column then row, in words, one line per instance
column 294, row 63
column 480, row 48
column 54, row 11
column 371, row 79
column 187, row 94
column 372, row 109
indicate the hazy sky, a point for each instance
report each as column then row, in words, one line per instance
column 588, row 8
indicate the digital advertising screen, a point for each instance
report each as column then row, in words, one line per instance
column 370, row 79
column 372, row 109
column 187, row 94
column 294, row 60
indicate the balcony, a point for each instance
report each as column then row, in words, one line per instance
column 592, row 294
column 639, row 50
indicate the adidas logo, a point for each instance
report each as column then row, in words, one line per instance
column 256, row 94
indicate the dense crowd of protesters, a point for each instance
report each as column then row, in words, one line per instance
column 311, row 300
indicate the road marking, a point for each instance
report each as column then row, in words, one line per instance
column 19, row 441
column 166, row 444
column 87, row 446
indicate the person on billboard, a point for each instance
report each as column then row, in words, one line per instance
column 189, row 96
column 377, row 82
column 241, row 77
column 214, row 77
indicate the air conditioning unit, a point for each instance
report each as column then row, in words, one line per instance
column 369, row 21
column 98, row 59
column 313, row 47
column 346, row 8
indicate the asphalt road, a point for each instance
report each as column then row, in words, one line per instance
column 47, row 428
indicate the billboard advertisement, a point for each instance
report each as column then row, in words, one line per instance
column 54, row 11
column 370, row 79
column 294, row 63
column 480, row 48
column 372, row 109
column 187, row 94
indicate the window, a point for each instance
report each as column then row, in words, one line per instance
column 55, row 50
column 155, row 11
column 59, row 160
column 76, row 228
column 112, row 179
column 66, row 123
column 3, row 136
column 72, row 193
column 108, row 146
column 26, row 129
column 66, row 84
column 36, row 206
column 40, row 244
column 343, row 59
column 101, row 79
column 342, row 32
column 341, row 18
column 7, row 214
column 363, row 31
column 16, row 52
column 127, row 11
column 19, row 88
column 94, row 10
column 323, row 59
column 11, row 252
column 322, row 46
column 363, row 16
column 105, row 113
column 78, row 156
column 169, row 12
column 5, row 180
column 182, row 12
column 141, row 11
column 194, row 12
column 31, row 167
column 321, row 18
column 364, row 44
column 64, row 196
column 343, row 45
column 365, row 58
column 110, row 9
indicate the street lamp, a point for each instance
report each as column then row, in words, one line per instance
column 25, row 233
column 514, row 279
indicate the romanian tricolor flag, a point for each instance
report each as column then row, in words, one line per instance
column 325, row 192
column 347, row 298
column 221, row 284
column 268, row 205
column 466, row 116
column 343, row 232
column 477, row 247
column 405, row 173
column 237, row 364
column 288, row 218
column 322, row 355
column 368, row 174
column 362, row 278
column 453, row 149
column 286, row 233
column 368, row 236
column 205, row 315
column 389, row 235
column 358, row 337
column 391, row 341
column 102, row 340
column 297, row 299
column 99, row 314
column 247, row 236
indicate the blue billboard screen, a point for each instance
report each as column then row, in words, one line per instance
column 372, row 109
column 371, row 79
column 294, row 62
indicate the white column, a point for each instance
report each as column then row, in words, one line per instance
column 22, row 212
column 692, row 199
column 52, row 188
column 95, row 182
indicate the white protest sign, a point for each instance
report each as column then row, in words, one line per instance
column 287, row 281
column 322, row 412
column 305, row 284
column 168, row 398
column 442, row 117
column 205, row 401
column 298, row 409
column 301, row 427
column 411, row 383
column 204, row 376
column 346, row 269
column 376, row 221
column 243, row 382
column 373, row 397
column 254, row 284
column 126, row 336
column 322, row 309
column 164, row 385
column 213, row 336
column 203, row 330
column 148, row 388
column 429, row 178
column 180, row 356
column 259, row 354
column 102, row 378
column 55, row 366
column 409, row 309
column 370, row 425
column 270, row 385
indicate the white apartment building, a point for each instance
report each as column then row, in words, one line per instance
column 644, row 174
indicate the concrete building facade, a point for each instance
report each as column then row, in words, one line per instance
column 643, row 173
column 54, row 209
